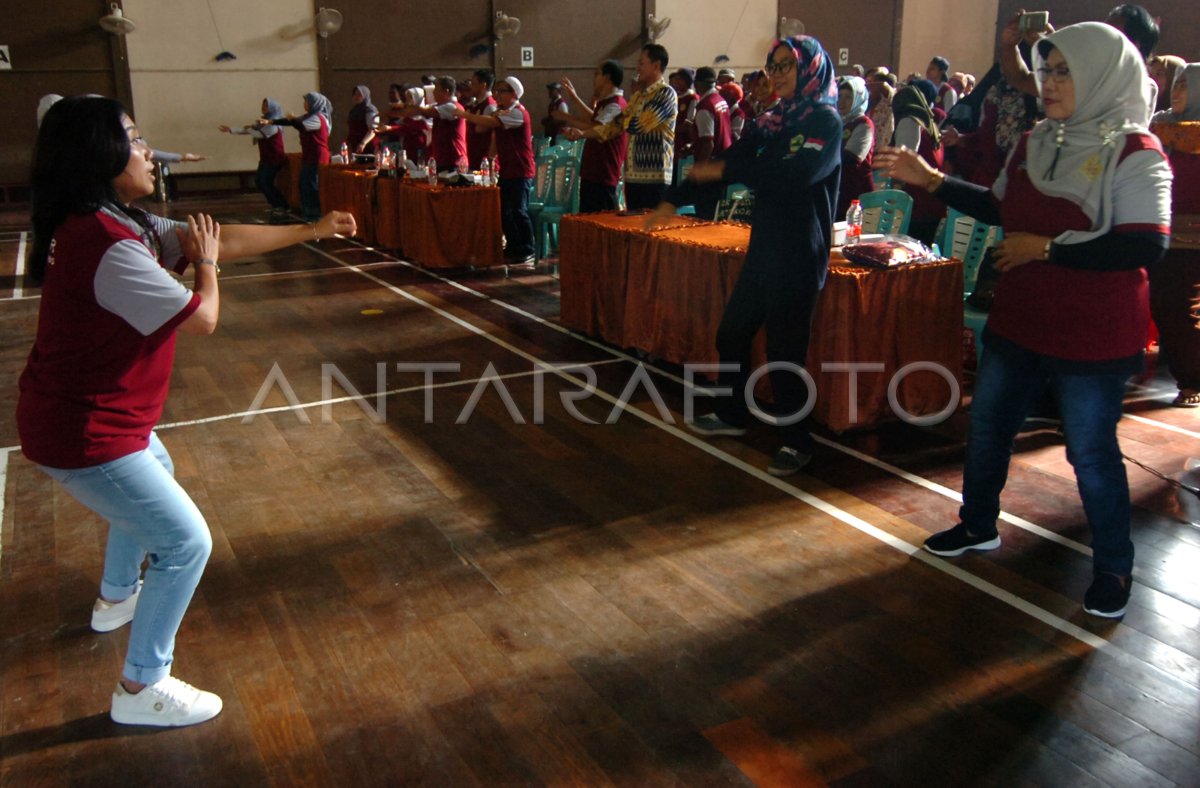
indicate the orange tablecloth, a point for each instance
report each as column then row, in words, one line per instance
column 593, row 270
column 345, row 188
column 287, row 180
column 450, row 227
column 387, row 213
column 678, row 280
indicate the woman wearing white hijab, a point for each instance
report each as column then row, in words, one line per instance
column 1085, row 205
column 1175, row 280
column 858, row 142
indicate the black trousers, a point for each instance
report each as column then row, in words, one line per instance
column 514, row 216
column 595, row 196
column 264, row 178
column 1175, row 307
column 640, row 196
column 787, row 313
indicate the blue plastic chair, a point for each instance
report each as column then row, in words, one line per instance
column 683, row 166
column 563, row 199
column 543, row 184
column 967, row 239
column 888, row 211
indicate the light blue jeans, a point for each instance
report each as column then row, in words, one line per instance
column 149, row 516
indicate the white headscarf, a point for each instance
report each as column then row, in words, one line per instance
column 1077, row 158
column 858, row 105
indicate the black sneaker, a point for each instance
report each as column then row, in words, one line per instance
column 788, row 461
column 711, row 424
column 1109, row 595
column 959, row 540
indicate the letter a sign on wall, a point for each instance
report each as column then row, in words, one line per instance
column 5, row 61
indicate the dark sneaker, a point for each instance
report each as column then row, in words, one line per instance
column 1109, row 595
column 711, row 424
column 959, row 540
column 788, row 461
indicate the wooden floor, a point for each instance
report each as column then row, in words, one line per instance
column 395, row 597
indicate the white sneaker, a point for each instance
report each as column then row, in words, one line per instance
column 167, row 703
column 107, row 616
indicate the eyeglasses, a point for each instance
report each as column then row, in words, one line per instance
column 782, row 67
column 1058, row 74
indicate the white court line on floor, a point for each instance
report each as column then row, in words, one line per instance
column 3, row 490
column 1007, row 517
column 1044, row 616
column 361, row 397
column 19, row 275
column 1162, row 425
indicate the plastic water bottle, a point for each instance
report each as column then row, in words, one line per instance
column 486, row 171
column 495, row 170
column 431, row 171
column 401, row 168
column 345, row 153
column 854, row 220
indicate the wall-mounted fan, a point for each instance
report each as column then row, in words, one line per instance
column 505, row 25
column 789, row 27
column 655, row 27
column 116, row 22
column 327, row 21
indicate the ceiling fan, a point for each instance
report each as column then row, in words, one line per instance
column 505, row 25
column 327, row 22
column 116, row 22
column 655, row 27
column 789, row 27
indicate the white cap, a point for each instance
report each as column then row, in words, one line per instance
column 516, row 85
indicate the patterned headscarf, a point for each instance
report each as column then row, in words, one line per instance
column 910, row 102
column 815, row 85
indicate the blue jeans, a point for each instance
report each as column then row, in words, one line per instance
column 149, row 515
column 1006, row 389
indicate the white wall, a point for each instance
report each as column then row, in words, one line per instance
column 702, row 29
column 181, row 94
column 962, row 31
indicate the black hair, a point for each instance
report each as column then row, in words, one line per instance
column 1045, row 47
column 942, row 63
column 81, row 147
column 447, row 84
column 486, row 76
column 706, row 74
column 658, row 54
column 614, row 71
column 1139, row 27
column 399, row 88
column 428, row 79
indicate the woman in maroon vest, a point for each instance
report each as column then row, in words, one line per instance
column 361, row 122
column 1175, row 280
column 1085, row 205
column 313, row 126
column 917, row 131
column 97, row 378
column 858, row 142
column 271, row 155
